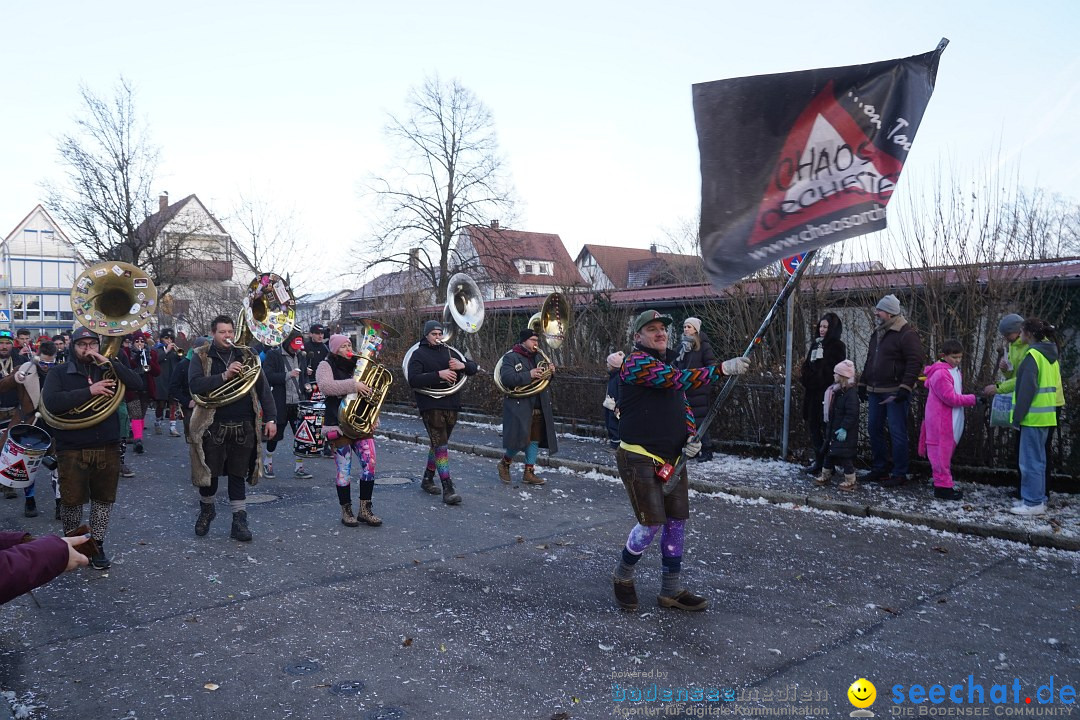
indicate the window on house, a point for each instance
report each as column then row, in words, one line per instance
column 51, row 307
column 50, row 275
column 32, row 273
column 18, row 309
column 529, row 269
column 33, row 307
column 67, row 274
column 18, row 276
column 325, row 314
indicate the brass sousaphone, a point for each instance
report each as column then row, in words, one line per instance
column 112, row 299
column 268, row 315
column 551, row 324
column 464, row 309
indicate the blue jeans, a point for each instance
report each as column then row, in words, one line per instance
column 895, row 413
column 1033, row 464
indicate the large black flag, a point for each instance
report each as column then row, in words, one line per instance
column 795, row 161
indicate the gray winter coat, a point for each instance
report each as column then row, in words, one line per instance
column 517, row 412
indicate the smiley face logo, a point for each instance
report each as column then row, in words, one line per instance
column 862, row 693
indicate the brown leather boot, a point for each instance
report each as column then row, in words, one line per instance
column 531, row 478
column 504, row 472
column 365, row 515
column 347, row 518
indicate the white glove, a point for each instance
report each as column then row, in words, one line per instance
column 609, row 403
column 736, row 366
column 691, row 448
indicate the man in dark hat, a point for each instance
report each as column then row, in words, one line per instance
column 527, row 421
column 433, row 366
column 88, row 459
column 656, row 424
column 168, row 357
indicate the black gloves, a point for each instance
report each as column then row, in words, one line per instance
column 903, row 394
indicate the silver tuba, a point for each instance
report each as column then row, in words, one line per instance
column 464, row 309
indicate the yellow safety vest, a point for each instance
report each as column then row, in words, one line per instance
column 1043, row 410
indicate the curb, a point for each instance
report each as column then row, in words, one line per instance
column 780, row 497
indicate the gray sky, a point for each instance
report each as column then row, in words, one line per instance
column 591, row 100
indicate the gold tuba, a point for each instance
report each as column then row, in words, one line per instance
column 358, row 413
column 551, row 324
column 268, row 314
column 464, row 309
column 112, row 299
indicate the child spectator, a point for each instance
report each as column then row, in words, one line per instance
column 611, row 401
column 1035, row 408
column 841, row 418
column 943, row 422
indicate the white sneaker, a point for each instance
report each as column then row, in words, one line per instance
column 1022, row 509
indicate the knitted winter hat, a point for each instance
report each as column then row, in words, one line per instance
column 693, row 321
column 1011, row 323
column 431, row 325
column 615, row 360
column 889, row 304
column 846, row 368
column 526, row 334
column 336, row 341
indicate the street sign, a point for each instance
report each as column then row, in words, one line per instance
column 792, row 263
column 5, row 316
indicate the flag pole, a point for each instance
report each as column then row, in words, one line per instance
column 789, row 288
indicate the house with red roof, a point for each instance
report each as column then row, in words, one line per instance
column 608, row 267
column 516, row 263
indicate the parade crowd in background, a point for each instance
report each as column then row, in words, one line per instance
column 657, row 394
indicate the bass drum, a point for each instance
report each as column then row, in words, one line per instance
column 308, row 439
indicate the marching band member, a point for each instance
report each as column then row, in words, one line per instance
column 655, row 424
column 225, row 439
column 433, row 365
column 335, row 378
column 88, row 459
column 27, row 381
column 168, row 356
column 527, row 422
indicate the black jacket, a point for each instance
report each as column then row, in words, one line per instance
column 240, row 409
column 424, row 366
column 68, row 386
column 894, row 358
column 843, row 414
column 178, row 385
column 817, row 370
column 275, row 371
column 702, row 357
column 653, row 417
column 315, row 353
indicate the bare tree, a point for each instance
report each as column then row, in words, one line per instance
column 451, row 175
column 110, row 165
column 269, row 232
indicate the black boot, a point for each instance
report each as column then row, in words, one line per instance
column 239, row 527
column 100, row 561
column 448, row 495
column 30, row 508
column 207, row 512
column 428, row 483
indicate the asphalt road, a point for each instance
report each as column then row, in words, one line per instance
column 502, row 607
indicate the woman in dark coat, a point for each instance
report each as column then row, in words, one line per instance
column 826, row 351
column 694, row 352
